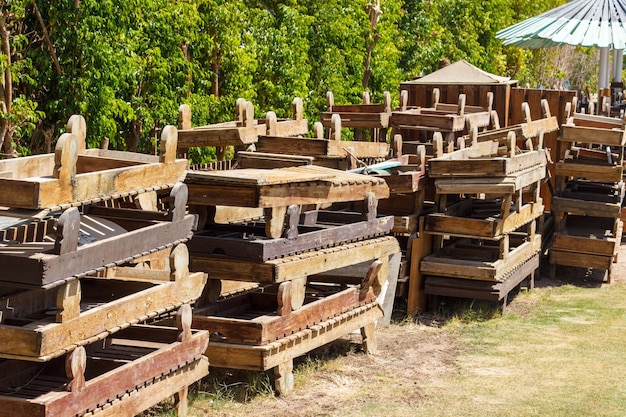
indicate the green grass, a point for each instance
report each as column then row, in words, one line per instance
column 564, row 356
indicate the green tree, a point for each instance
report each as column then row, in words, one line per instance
column 20, row 114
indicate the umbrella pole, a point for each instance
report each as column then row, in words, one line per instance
column 603, row 77
column 618, row 58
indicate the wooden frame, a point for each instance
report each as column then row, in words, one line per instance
column 92, row 308
column 528, row 129
column 449, row 119
column 316, row 229
column 74, row 175
column 280, row 187
column 121, row 375
column 483, row 219
column 46, row 262
column 258, row 317
column 298, row 125
column 295, row 266
column 492, row 267
column 243, row 131
column 321, row 147
column 483, row 290
column 366, row 115
column 587, row 242
column 487, row 159
column 279, row 355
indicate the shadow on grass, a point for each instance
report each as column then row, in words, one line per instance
column 569, row 275
column 441, row 310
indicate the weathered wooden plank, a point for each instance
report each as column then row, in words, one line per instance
column 358, row 120
column 497, row 185
column 603, row 172
column 571, row 133
column 322, row 147
column 294, row 146
column 420, row 248
column 582, row 260
column 517, row 97
column 583, row 207
column 220, row 135
column 604, row 122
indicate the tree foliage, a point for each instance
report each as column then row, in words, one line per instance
column 127, row 65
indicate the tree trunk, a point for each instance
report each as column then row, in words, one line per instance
column 46, row 37
column 368, row 61
column 215, row 65
column 7, row 90
column 136, row 127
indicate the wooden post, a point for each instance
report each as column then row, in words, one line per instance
column 183, row 323
column 421, row 246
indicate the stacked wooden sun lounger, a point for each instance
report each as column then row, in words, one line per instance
column 360, row 117
column 331, row 151
column 70, row 327
column 590, row 192
column 240, row 133
column 417, row 124
column 484, row 223
column 319, row 272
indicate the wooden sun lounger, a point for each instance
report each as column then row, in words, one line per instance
column 38, row 325
column 124, row 374
column 50, row 261
column 74, row 175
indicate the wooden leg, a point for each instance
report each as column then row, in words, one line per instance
column 210, row 293
column 275, row 221
column 421, row 247
column 180, row 399
column 68, row 301
column 552, row 271
column 284, row 381
column 531, row 279
column 75, row 364
column 370, row 345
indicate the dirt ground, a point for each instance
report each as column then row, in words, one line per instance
column 416, row 350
